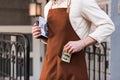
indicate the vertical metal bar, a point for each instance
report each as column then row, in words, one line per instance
column 7, row 63
column 17, row 64
column 3, row 59
column 1, row 63
column 10, row 65
column 89, row 54
column 3, row 66
column 99, row 61
column 20, row 67
column 27, row 57
column 13, row 67
column 94, row 50
column 105, row 53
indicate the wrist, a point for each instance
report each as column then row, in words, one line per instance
column 83, row 43
column 88, row 41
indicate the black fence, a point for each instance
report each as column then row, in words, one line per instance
column 97, row 62
column 14, row 56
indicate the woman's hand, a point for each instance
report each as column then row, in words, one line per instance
column 74, row 46
column 36, row 31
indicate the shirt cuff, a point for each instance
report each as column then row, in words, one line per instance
column 99, row 41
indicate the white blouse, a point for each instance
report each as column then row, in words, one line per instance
column 86, row 18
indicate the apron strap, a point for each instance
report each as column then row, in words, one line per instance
column 68, row 5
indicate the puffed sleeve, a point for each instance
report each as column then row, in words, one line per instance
column 46, row 9
column 104, row 25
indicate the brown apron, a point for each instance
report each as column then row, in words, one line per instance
column 60, row 32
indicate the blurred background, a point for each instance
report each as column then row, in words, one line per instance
column 21, row 55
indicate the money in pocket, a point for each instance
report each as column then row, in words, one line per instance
column 66, row 57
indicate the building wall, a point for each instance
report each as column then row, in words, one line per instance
column 115, row 42
column 14, row 12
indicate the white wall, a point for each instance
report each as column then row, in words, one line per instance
column 115, row 50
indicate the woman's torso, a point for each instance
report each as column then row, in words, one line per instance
column 79, row 24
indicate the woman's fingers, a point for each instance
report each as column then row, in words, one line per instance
column 36, row 31
column 68, row 44
column 36, row 34
column 68, row 48
column 70, row 51
column 35, row 28
column 74, row 46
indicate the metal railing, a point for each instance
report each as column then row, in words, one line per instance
column 97, row 62
column 14, row 56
